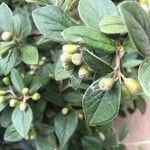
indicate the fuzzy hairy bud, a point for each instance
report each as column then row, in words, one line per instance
column 13, row 103
column 65, row 111
column 66, row 58
column 84, row 73
column 25, row 91
column 133, row 86
column 70, row 48
column 36, row 97
column 77, row 59
column 106, row 84
column 6, row 81
column 7, row 36
column 125, row 94
column 3, row 99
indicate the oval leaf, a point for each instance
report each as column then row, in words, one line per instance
column 17, row 80
column 12, row 135
column 51, row 21
column 65, row 126
column 29, row 54
column 91, row 12
column 7, row 63
column 22, row 120
column 112, row 25
column 143, row 76
column 90, row 37
column 93, row 61
column 138, row 25
column 99, row 106
column 6, row 19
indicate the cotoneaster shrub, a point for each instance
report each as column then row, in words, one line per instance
column 68, row 68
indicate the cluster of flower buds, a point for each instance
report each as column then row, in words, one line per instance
column 36, row 67
column 71, row 57
column 130, row 89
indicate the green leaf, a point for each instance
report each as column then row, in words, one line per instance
column 17, row 80
column 101, row 106
column 91, row 143
column 29, row 54
column 75, row 79
column 60, row 72
column 6, row 19
column 38, row 82
column 132, row 63
column 112, row 25
column 123, row 132
column 141, row 104
column 5, row 118
column 91, row 12
column 46, row 142
column 138, row 25
column 7, row 63
column 22, row 120
column 52, row 94
column 90, row 37
column 43, row 129
column 143, row 76
column 22, row 25
column 51, row 21
column 72, row 96
column 12, row 135
column 2, row 106
column 65, row 126
column 42, row 2
column 5, row 46
column 48, row 69
column 93, row 61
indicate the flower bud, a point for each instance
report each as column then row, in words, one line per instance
column 3, row 99
column 66, row 58
column 13, row 103
column 133, row 86
column 23, row 106
column 80, row 116
column 41, row 63
column 70, row 48
column 145, row 4
column 125, row 94
column 7, row 36
column 32, row 72
column 67, row 66
column 77, row 59
column 51, row 76
column 33, row 135
column 25, row 91
column 34, row 67
column 6, row 81
column 44, row 59
column 84, row 73
column 36, row 97
column 3, row 92
column 106, row 84
column 65, row 111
